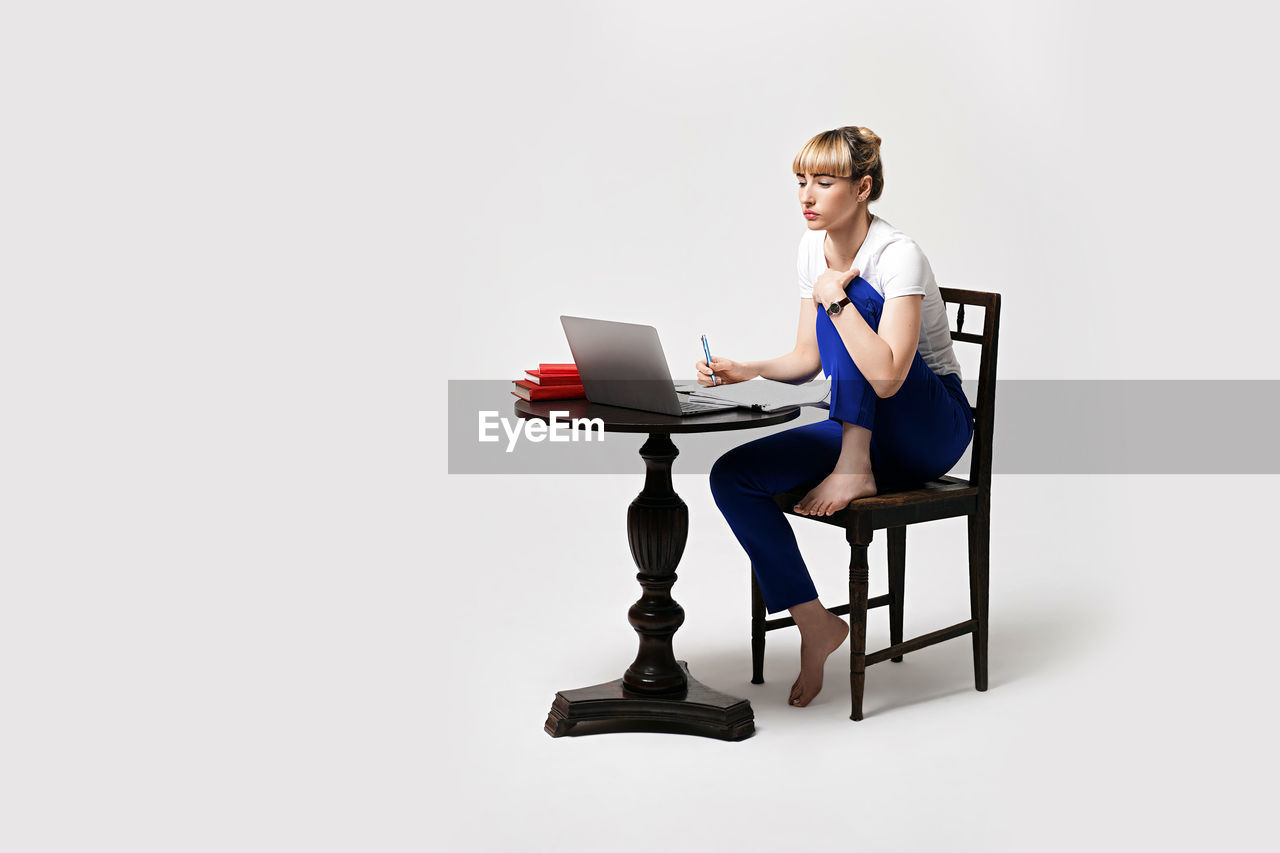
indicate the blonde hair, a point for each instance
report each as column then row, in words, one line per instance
column 846, row 152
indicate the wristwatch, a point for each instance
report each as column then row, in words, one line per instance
column 836, row 307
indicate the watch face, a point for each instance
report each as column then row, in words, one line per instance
column 834, row 308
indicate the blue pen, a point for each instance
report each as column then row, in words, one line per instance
column 706, row 349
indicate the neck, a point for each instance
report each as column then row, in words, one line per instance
column 846, row 240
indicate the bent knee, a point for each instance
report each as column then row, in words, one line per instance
column 725, row 473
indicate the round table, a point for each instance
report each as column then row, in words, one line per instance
column 656, row 693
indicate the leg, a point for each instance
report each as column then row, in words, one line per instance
column 915, row 435
column 657, row 528
column 858, row 577
column 979, row 565
column 855, row 406
column 821, row 633
column 897, row 577
column 850, row 479
column 757, row 631
column 743, row 483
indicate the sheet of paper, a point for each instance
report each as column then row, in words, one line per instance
column 768, row 394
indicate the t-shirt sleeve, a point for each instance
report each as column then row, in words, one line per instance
column 904, row 269
column 803, row 268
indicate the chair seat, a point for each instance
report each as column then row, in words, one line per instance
column 944, row 497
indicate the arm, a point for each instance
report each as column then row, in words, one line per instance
column 883, row 355
column 884, row 358
column 803, row 362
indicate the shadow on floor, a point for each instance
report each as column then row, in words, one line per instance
column 1022, row 645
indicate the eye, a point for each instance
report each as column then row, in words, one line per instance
column 823, row 184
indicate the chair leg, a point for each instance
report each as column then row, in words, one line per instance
column 979, row 576
column 859, row 538
column 757, row 631
column 897, row 575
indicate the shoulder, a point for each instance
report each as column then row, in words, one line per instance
column 894, row 248
column 901, row 265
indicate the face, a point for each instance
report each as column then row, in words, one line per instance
column 831, row 203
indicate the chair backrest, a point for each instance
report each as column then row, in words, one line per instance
column 984, row 412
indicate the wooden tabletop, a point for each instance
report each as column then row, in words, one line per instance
column 619, row 419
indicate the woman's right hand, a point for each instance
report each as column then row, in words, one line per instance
column 727, row 371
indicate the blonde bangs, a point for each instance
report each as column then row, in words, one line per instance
column 825, row 154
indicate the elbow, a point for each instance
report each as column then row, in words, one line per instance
column 885, row 390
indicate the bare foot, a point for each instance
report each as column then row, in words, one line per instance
column 834, row 493
column 815, row 647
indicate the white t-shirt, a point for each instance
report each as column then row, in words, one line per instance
column 894, row 265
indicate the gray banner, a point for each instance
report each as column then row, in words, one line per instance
column 1171, row 426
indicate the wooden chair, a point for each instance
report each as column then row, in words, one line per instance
column 947, row 497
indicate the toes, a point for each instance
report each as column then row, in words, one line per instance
column 799, row 694
column 807, row 505
column 805, row 697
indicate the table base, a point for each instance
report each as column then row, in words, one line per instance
column 611, row 707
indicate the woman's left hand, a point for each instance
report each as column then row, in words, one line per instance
column 830, row 286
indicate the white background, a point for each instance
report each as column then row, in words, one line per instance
column 246, row 244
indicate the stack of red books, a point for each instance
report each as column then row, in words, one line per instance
column 550, row 382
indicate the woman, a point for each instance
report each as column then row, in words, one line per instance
column 872, row 319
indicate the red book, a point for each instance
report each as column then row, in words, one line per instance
column 558, row 368
column 537, row 377
column 529, row 391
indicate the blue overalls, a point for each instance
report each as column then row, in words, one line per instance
column 918, row 434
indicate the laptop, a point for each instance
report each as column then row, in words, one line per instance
column 622, row 364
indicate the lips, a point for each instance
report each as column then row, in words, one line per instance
column 808, row 214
